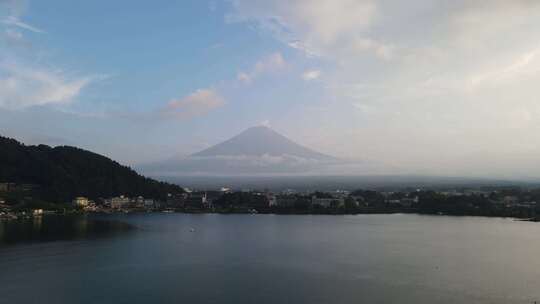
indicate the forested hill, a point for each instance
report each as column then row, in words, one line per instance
column 62, row 173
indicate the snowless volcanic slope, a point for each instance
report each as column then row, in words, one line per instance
column 256, row 151
column 259, row 141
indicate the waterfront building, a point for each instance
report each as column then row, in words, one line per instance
column 119, row 202
column 176, row 200
column 327, row 202
column 272, row 199
column 139, row 202
column 80, row 201
column 149, row 203
column 510, row 200
column 404, row 202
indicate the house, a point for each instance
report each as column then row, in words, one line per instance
column 327, row 202
column 272, row 199
column 149, row 204
column 139, row 202
column 404, row 202
column 80, row 201
column 119, row 202
column 341, row 193
column 176, row 200
column 510, row 200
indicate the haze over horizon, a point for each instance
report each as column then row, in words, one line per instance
column 416, row 87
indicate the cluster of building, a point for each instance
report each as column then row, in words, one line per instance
column 475, row 202
column 114, row 203
column 189, row 199
column 506, row 202
column 198, row 200
column 291, row 200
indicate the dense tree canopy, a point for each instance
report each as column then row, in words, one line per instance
column 63, row 172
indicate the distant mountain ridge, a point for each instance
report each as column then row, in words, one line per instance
column 63, row 172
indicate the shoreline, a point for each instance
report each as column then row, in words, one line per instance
column 27, row 217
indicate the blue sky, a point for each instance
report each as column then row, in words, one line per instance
column 138, row 57
column 422, row 87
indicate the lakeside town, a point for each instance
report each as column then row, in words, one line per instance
column 16, row 202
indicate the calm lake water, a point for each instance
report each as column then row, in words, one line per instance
column 158, row 258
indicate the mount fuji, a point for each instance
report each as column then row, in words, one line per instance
column 256, row 151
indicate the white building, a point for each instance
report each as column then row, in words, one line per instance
column 149, row 203
column 119, row 202
column 139, row 202
column 81, row 201
column 272, row 201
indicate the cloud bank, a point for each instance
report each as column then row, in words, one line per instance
column 457, row 80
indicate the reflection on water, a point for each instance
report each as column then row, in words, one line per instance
column 53, row 228
column 267, row 259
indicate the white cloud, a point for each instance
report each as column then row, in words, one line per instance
column 456, row 78
column 244, row 77
column 23, row 86
column 197, row 103
column 311, row 75
column 523, row 66
column 269, row 64
column 15, row 21
column 381, row 50
column 24, row 81
column 317, row 27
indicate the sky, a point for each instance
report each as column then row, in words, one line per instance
column 437, row 87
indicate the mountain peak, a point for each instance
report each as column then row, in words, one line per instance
column 258, row 141
column 258, row 150
column 258, row 129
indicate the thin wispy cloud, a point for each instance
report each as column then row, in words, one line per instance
column 24, row 81
column 23, row 86
column 15, row 21
column 269, row 64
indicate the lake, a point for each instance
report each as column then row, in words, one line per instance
column 211, row 258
